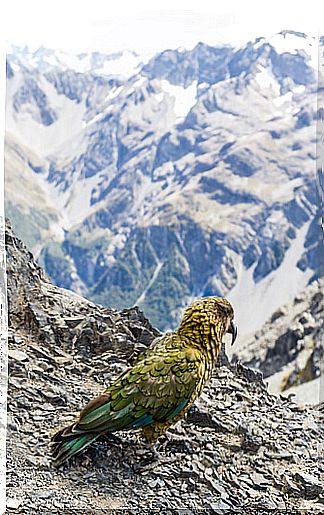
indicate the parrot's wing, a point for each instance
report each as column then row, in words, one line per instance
column 169, row 383
column 156, row 389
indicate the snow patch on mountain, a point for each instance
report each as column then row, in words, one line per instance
column 116, row 242
column 70, row 61
column 184, row 98
column 257, row 301
column 123, row 64
column 44, row 140
column 98, row 116
column 79, row 200
column 114, row 92
column 156, row 272
column 126, row 65
column 265, row 79
column 298, row 90
column 292, row 42
column 112, row 95
column 287, row 97
column 142, row 191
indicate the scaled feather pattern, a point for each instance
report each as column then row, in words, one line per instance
column 160, row 387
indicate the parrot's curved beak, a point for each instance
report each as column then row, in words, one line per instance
column 233, row 330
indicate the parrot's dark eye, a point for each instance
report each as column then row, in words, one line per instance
column 227, row 310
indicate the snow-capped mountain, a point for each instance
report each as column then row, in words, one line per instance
column 123, row 64
column 193, row 174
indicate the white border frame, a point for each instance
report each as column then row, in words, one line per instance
column 3, row 293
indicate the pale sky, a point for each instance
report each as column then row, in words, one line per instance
column 147, row 26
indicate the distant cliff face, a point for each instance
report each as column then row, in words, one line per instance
column 193, row 174
column 289, row 349
column 239, row 449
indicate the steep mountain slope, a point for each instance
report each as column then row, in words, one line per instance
column 196, row 175
column 289, row 349
column 240, row 449
column 28, row 203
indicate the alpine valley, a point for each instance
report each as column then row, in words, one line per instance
column 154, row 182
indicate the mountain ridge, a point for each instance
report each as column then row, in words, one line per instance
column 233, row 178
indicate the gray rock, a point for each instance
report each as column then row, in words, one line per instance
column 13, row 503
column 17, row 355
column 313, row 487
column 220, row 506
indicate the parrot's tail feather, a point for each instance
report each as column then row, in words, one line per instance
column 68, row 442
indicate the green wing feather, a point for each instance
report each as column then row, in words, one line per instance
column 156, row 389
column 152, row 390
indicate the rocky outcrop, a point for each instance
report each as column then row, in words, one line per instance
column 240, row 449
column 59, row 318
column 289, row 348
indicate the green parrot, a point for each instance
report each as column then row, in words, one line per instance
column 160, row 387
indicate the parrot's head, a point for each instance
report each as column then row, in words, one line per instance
column 209, row 318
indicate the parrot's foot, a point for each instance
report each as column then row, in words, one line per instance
column 175, row 441
column 148, row 451
column 144, row 466
column 144, row 448
column 147, row 458
column 151, row 457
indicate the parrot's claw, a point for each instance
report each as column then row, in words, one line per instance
column 146, row 450
column 173, row 440
column 151, row 449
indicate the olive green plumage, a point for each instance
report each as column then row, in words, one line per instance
column 161, row 385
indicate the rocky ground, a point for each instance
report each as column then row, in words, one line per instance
column 240, row 450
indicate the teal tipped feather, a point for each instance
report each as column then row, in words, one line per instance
column 66, row 446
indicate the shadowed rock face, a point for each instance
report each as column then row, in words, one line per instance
column 240, row 448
